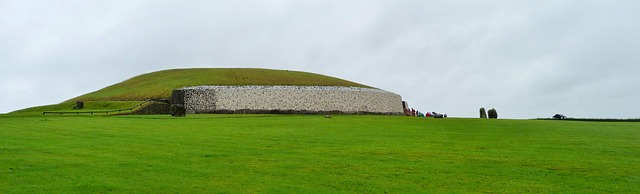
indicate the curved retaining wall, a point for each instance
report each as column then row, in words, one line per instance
column 288, row 100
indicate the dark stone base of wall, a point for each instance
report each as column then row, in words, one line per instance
column 177, row 110
column 276, row 111
column 152, row 109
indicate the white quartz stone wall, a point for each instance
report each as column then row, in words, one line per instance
column 201, row 99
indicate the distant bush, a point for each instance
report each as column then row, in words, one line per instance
column 79, row 105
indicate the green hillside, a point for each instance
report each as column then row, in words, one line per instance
column 160, row 84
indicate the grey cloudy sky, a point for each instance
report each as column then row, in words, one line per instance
column 527, row 59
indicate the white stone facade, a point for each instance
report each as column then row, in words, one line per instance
column 288, row 99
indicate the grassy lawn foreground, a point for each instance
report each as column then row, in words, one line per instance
column 295, row 154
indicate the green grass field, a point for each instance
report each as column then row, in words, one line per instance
column 312, row 154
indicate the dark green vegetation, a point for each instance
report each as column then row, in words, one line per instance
column 160, row 84
column 593, row 119
column 312, row 154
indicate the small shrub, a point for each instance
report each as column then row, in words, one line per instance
column 79, row 105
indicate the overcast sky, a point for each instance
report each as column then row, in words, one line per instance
column 527, row 59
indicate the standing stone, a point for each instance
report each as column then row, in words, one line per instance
column 178, row 110
column 405, row 107
column 483, row 113
column 493, row 114
column 79, row 105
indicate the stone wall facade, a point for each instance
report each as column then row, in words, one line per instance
column 288, row 100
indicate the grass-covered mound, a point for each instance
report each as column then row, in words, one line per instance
column 312, row 154
column 160, row 84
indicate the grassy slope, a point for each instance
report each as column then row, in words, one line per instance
column 88, row 106
column 160, row 84
column 296, row 154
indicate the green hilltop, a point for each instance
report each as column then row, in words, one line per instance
column 160, row 84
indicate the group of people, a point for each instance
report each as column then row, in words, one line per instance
column 416, row 113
